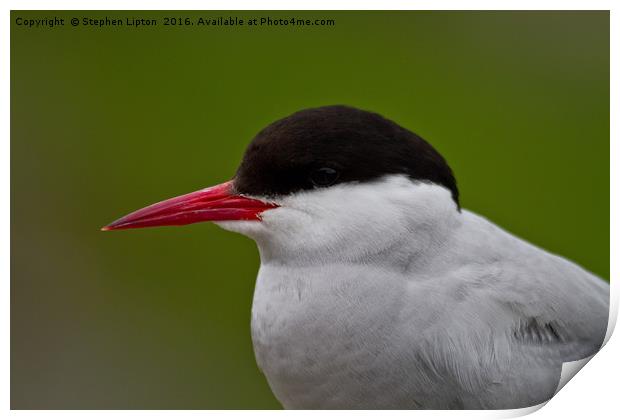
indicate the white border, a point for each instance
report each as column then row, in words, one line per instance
column 592, row 394
column 313, row 5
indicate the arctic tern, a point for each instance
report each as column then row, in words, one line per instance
column 376, row 289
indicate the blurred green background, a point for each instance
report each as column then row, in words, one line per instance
column 107, row 120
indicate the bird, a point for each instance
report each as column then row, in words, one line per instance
column 376, row 290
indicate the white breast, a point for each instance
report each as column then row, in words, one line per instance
column 324, row 336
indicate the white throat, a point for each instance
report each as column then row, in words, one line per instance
column 355, row 222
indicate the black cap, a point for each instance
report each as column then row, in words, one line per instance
column 319, row 147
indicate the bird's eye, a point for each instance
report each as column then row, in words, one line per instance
column 324, row 177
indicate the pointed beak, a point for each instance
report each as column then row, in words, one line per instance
column 216, row 203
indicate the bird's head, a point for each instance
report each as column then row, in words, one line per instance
column 323, row 183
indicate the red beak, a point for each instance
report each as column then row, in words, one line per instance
column 211, row 204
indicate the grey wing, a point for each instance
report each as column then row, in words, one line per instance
column 507, row 341
column 550, row 312
column 560, row 310
column 560, row 315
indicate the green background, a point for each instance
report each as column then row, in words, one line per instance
column 107, row 120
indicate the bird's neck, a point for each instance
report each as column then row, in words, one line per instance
column 407, row 248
